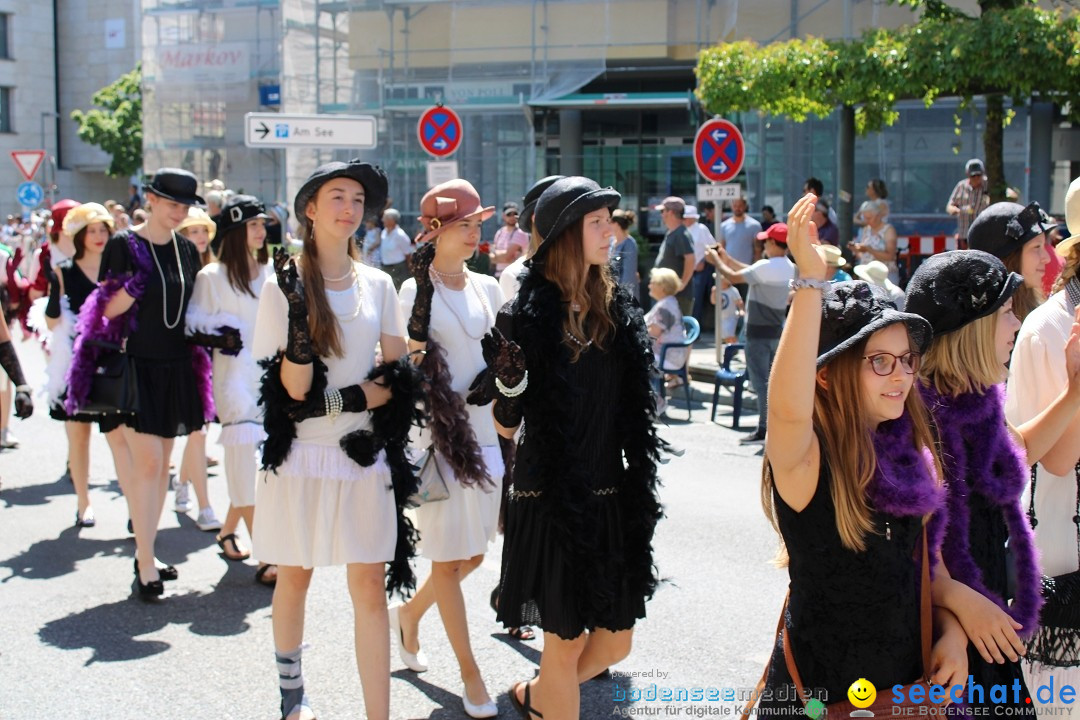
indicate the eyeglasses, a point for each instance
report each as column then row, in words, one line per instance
column 884, row 363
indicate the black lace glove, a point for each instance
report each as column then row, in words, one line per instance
column 24, row 405
column 298, row 347
column 227, row 340
column 425, row 290
column 506, row 361
column 353, row 400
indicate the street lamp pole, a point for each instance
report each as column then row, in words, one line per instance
column 48, row 185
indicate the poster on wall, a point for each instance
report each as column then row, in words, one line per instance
column 216, row 72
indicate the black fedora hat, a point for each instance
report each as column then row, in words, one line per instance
column 954, row 288
column 237, row 211
column 853, row 310
column 566, row 201
column 529, row 201
column 176, row 185
column 370, row 176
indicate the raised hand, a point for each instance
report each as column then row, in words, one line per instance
column 504, row 357
column 289, row 282
column 420, row 319
column 802, row 237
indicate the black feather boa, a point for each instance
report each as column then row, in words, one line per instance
column 567, row 503
column 390, row 424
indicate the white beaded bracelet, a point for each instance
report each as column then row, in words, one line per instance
column 334, row 404
column 512, row 392
column 811, row 283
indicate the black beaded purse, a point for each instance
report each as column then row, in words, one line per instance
column 113, row 389
column 1057, row 642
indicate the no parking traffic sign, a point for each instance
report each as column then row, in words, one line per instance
column 439, row 131
column 719, row 150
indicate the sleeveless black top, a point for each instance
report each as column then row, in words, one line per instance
column 851, row 614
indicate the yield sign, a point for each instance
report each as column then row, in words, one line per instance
column 719, row 150
column 28, row 161
column 439, row 131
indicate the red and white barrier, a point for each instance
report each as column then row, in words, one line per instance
column 928, row 244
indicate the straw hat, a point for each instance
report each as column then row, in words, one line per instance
column 84, row 215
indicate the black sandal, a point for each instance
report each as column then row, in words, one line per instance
column 165, row 573
column 524, row 709
column 239, row 556
column 260, row 575
column 524, row 632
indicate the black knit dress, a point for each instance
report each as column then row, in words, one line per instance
column 581, row 512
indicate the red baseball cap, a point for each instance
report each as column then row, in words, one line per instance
column 777, row 232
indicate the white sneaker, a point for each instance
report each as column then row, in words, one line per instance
column 8, row 439
column 183, row 497
column 207, row 520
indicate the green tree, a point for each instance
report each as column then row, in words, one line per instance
column 1011, row 49
column 116, row 124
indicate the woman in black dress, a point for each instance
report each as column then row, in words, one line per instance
column 147, row 277
column 571, row 356
column 89, row 225
column 851, row 482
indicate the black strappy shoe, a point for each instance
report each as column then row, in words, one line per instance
column 524, row 708
column 167, row 573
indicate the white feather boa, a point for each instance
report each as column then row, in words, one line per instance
column 58, row 343
column 236, row 392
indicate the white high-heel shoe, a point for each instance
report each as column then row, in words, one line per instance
column 485, row 710
column 417, row 662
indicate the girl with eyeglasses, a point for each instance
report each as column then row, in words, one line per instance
column 988, row 551
column 851, row 483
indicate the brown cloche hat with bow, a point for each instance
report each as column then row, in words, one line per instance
column 448, row 204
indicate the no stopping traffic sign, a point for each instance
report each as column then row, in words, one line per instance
column 719, row 150
column 439, row 131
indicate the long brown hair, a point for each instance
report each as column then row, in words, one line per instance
column 322, row 323
column 234, row 256
column 1025, row 299
column 590, row 287
column 840, row 424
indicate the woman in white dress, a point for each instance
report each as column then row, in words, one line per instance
column 877, row 239
column 320, row 319
column 227, row 296
column 1039, row 373
column 451, row 309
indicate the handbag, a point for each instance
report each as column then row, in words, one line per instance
column 432, row 486
column 882, row 705
column 1057, row 642
column 113, row 389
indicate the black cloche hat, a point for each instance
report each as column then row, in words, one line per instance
column 529, row 201
column 952, row 289
column 237, row 211
column 1004, row 227
column 854, row 310
column 566, row 201
column 370, row 176
column 176, row 185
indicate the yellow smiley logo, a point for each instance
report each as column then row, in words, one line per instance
column 862, row 693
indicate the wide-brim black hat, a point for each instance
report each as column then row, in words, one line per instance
column 176, row 185
column 954, row 288
column 565, row 202
column 853, row 310
column 237, row 211
column 529, row 201
column 1005, row 227
column 370, row 176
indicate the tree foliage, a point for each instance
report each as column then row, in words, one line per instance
column 1013, row 49
column 116, row 124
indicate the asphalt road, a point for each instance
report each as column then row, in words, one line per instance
column 75, row 643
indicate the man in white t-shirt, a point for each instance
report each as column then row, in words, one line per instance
column 702, row 280
column 395, row 248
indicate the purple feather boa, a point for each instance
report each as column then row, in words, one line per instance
column 905, row 482
column 92, row 325
column 993, row 466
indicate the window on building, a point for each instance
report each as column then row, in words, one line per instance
column 6, row 94
column 5, row 36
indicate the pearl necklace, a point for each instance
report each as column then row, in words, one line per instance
column 352, row 269
column 164, row 286
column 489, row 316
column 359, row 299
column 446, row 275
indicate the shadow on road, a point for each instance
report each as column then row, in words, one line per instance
column 54, row 557
column 114, row 631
